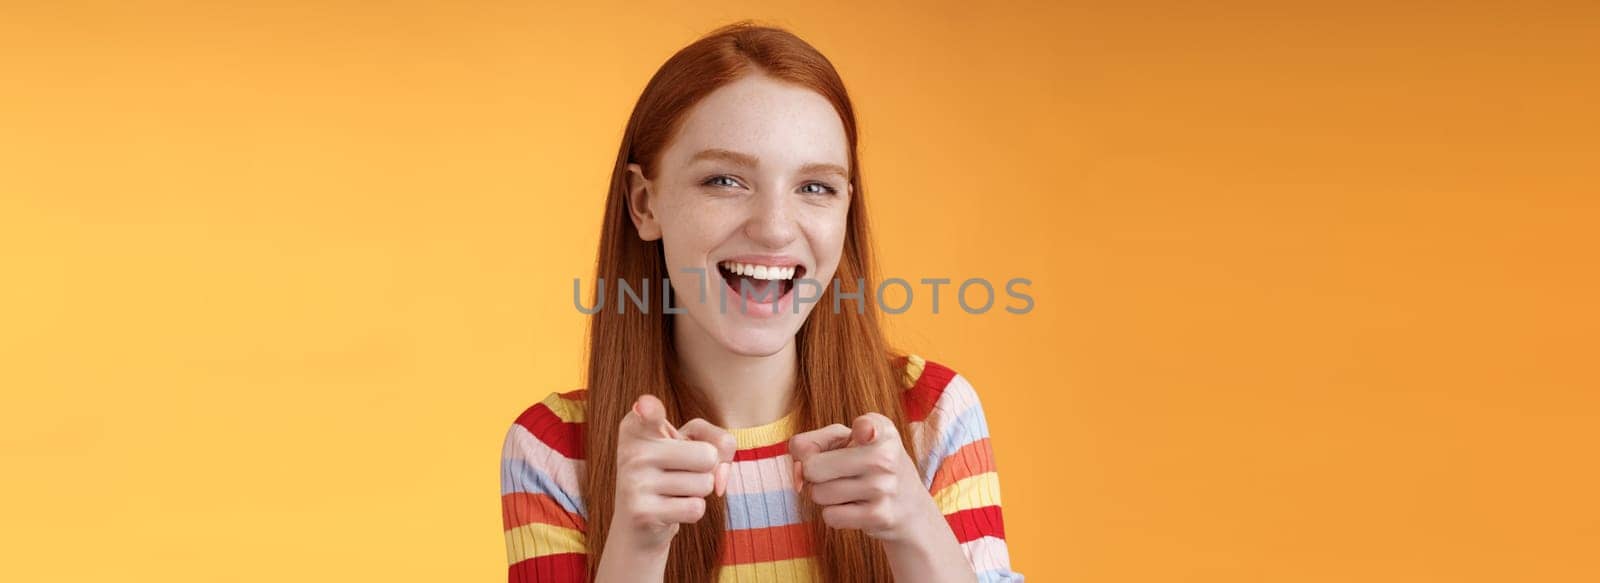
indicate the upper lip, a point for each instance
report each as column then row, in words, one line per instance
column 767, row 260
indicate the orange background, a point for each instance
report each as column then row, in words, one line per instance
column 1315, row 286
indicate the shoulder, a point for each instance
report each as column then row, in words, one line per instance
column 543, row 452
column 933, row 389
column 944, row 413
column 554, row 423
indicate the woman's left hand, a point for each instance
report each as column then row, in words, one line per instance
column 863, row 478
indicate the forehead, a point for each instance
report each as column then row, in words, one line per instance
column 781, row 123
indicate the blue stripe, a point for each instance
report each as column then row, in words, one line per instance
column 999, row 576
column 763, row 509
column 970, row 426
column 518, row 476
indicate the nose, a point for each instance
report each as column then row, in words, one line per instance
column 771, row 222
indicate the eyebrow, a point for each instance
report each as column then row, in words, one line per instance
column 743, row 159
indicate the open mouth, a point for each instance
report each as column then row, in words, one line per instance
column 762, row 283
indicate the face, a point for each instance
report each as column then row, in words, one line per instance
column 753, row 192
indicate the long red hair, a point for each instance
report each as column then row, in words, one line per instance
column 846, row 367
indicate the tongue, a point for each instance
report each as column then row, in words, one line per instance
column 760, row 290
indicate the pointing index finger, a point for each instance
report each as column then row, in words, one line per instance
column 872, row 428
column 650, row 417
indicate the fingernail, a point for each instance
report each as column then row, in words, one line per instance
column 722, row 478
column 636, row 410
column 799, row 476
column 872, row 434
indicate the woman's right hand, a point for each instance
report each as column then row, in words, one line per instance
column 664, row 475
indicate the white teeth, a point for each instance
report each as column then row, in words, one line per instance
column 760, row 271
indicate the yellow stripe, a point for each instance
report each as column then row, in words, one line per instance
column 969, row 492
column 568, row 410
column 914, row 366
column 538, row 539
column 801, row 570
column 761, row 435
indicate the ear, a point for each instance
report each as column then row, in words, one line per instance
column 644, row 219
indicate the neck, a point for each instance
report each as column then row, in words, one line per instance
column 743, row 391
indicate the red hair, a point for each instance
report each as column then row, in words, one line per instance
column 846, row 368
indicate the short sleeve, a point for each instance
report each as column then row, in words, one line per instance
column 952, row 442
column 543, row 513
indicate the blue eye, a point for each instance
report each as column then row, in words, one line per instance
column 825, row 188
column 713, row 181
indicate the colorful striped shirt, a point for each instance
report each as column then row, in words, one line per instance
column 765, row 539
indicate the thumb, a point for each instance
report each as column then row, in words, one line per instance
column 806, row 445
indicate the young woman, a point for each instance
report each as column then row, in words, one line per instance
column 760, row 430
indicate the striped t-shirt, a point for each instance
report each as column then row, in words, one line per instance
column 765, row 540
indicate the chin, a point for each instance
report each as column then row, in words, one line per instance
column 745, row 340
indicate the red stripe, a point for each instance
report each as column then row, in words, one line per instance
column 765, row 451
column 547, row 427
column 920, row 398
column 561, row 568
column 772, row 543
column 519, row 508
column 977, row 523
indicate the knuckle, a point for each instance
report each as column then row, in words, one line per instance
column 706, row 453
column 810, row 471
column 640, row 478
column 646, row 519
column 880, row 516
column 639, row 519
column 882, row 460
column 693, row 509
column 818, row 495
column 800, row 453
column 643, row 457
column 627, row 462
column 832, row 517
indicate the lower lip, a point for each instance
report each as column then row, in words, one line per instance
column 737, row 303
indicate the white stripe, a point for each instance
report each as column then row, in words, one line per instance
column 987, row 554
column 762, row 475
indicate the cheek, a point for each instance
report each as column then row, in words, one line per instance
column 689, row 231
column 826, row 230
